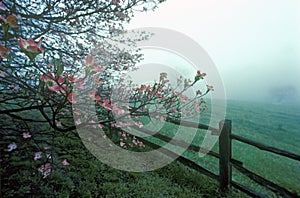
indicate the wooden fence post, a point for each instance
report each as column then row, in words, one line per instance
column 225, row 155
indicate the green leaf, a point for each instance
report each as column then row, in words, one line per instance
column 60, row 69
column 58, row 66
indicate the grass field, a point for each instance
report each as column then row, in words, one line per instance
column 274, row 125
column 86, row 176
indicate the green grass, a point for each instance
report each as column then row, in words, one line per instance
column 174, row 180
column 274, row 125
column 88, row 177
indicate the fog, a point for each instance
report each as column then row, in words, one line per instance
column 255, row 44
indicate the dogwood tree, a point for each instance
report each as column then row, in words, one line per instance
column 43, row 45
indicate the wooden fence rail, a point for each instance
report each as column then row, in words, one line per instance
column 266, row 147
column 226, row 162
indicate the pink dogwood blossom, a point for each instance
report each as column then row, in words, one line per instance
column 116, row 2
column 198, row 92
column 106, row 104
column 3, row 51
column 12, row 146
column 118, row 110
column 30, row 47
column 141, row 144
column 122, row 144
column 210, row 88
column 37, row 155
column 10, row 20
column 58, row 123
column 139, row 124
column 26, row 135
column 45, row 170
column 72, row 97
column 55, row 84
column 201, row 74
column 91, row 63
column 65, row 163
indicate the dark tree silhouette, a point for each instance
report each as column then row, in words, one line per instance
column 283, row 94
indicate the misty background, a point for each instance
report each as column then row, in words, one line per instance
column 255, row 44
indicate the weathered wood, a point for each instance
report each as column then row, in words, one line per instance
column 193, row 125
column 185, row 123
column 264, row 182
column 225, row 155
column 183, row 160
column 181, row 144
column 225, row 160
column 266, row 147
column 175, row 142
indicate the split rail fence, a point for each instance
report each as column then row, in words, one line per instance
column 226, row 162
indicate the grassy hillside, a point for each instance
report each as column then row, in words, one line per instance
column 274, row 125
column 88, row 177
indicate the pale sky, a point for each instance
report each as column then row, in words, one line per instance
column 255, row 44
